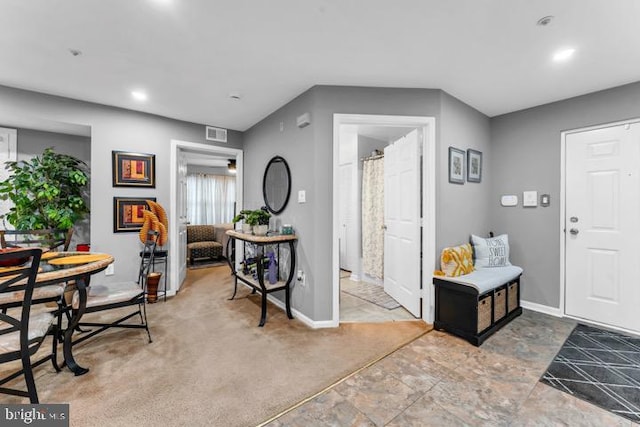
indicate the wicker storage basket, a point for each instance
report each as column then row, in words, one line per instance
column 499, row 304
column 513, row 296
column 484, row 313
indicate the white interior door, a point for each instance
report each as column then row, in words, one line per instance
column 348, row 232
column 602, row 223
column 402, row 222
column 182, row 217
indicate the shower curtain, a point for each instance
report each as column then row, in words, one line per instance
column 373, row 217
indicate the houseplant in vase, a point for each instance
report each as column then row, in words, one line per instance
column 242, row 216
column 258, row 219
column 47, row 191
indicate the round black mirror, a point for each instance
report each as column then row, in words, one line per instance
column 276, row 185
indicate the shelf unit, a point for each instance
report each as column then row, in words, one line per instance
column 259, row 284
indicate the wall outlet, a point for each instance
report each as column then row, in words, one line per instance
column 300, row 278
column 302, row 196
column 110, row 271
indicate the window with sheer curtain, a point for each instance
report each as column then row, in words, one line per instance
column 210, row 198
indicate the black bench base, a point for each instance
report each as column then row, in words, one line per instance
column 460, row 310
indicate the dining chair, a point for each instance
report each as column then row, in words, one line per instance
column 116, row 295
column 21, row 330
column 50, row 239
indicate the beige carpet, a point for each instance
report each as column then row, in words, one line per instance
column 209, row 363
column 206, row 263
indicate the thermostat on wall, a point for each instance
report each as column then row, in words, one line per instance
column 530, row 199
column 509, row 200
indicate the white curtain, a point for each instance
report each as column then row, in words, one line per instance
column 210, row 198
column 373, row 217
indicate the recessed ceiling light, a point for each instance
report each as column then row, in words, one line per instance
column 563, row 54
column 139, row 95
column 544, row 21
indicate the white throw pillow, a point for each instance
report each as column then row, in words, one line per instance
column 491, row 252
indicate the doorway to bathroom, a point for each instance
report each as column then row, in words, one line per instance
column 383, row 217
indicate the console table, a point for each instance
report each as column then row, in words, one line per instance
column 259, row 284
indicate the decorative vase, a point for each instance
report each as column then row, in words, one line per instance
column 153, row 279
column 260, row 230
column 83, row 247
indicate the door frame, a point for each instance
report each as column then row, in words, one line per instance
column 176, row 146
column 428, row 125
column 563, row 201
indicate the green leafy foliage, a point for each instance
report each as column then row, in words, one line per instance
column 255, row 217
column 47, row 191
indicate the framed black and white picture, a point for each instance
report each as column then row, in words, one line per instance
column 474, row 165
column 456, row 166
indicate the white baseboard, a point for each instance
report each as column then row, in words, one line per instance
column 315, row 324
column 552, row 311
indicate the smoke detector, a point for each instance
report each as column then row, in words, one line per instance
column 543, row 22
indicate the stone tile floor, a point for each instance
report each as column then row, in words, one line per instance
column 441, row 380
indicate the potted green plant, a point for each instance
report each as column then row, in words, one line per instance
column 47, row 191
column 258, row 219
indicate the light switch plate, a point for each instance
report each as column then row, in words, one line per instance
column 545, row 200
column 530, row 198
column 302, row 196
column 509, row 200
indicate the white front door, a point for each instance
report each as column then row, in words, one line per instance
column 602, row 260
column 182, row 218
column 402, row 222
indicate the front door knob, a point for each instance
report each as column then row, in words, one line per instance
column 574, row 231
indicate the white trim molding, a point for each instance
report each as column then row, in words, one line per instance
column 428, row 126
column 540, row 308
column 315, row 324
column 176, row 146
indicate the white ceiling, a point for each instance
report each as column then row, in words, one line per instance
column 190, row 54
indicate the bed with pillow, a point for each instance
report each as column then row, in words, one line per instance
column 477, row 289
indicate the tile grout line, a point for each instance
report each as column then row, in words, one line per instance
column 340, row 381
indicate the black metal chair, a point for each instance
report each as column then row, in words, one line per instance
column 50, row 238
column 21, row 331
column 116, row 295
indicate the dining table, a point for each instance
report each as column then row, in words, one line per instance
column 75, row 269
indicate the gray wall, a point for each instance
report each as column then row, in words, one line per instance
column 31, row 143
column 309, row 152
column 462, row 210
column 112, row 129
column 296, row 146
column 525, row 149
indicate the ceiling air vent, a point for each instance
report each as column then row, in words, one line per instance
column 216, row 134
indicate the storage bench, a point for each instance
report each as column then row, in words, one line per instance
column 476, row 305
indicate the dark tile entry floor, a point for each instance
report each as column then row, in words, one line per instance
column 441, row 380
